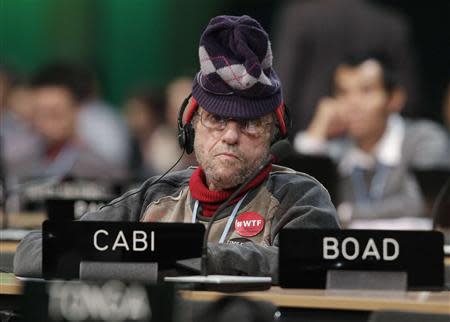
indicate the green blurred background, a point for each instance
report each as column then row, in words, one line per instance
column 134, row 42
column 127, row 42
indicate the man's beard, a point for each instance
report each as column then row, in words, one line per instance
column 211, row 166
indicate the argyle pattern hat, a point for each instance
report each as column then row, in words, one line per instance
column 236, row 78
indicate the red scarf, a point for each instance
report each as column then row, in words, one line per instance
column 211, row 200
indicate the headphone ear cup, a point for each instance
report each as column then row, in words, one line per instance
column 181, row 137
column 276, row 136
column 285, row 114
column 188, row 134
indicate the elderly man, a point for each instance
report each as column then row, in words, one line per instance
column 236, row 112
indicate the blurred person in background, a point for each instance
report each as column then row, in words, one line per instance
column 359, row 126
column 163, row 148
column 99, row 126
column 17, row 137
column 58, row 91
column 144, row 112
column 312, row 37
column 19, row 102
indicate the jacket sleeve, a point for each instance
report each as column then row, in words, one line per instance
column 304, row 203
column 128, row 207
column 28, row 256
column 428, row 147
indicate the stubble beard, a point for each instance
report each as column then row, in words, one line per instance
column 219, row 180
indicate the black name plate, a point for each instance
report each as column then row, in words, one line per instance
column 306, row 255
column 65, row 244
column 112, row 300
column 72, row 208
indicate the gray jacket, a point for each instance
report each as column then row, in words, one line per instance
column 425, row 145
column 286, row 199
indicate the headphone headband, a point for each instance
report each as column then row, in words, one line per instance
column 191, row 111
column 281, row 114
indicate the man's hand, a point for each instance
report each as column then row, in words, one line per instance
column 329, row 120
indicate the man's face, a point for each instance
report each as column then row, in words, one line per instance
column 364, row 97
column 230, row 155
column 55, row 113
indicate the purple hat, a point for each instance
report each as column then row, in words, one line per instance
column 236, row 78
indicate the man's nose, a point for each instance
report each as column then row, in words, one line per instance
column 231, row 133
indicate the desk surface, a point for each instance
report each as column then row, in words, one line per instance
column 8, row 246
column 9, row 284
column 431, row 302
column 31, row 220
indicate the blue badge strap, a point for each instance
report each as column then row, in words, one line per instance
column 359, row 185
column 231, row 220
column 378, row 182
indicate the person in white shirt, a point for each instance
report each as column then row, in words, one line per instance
column 374, row 147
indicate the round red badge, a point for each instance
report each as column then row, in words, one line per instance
column 249, row 224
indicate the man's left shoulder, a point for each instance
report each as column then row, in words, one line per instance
column 424, row 127
column 425, row 133
column 294, row 187
column 281, row 175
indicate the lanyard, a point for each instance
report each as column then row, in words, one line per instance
column 230, row 219
column 377, row 184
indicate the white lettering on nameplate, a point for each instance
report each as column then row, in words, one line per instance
column 249, row 224
column 350, row 249
column 139, row 241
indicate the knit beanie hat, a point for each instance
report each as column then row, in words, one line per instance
column 236, row 78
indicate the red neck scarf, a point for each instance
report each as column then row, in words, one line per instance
column 211, row 200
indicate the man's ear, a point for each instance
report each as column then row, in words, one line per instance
column 397, row 100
